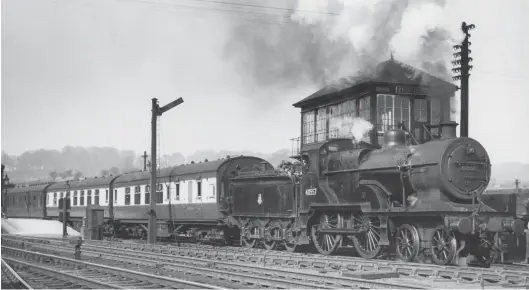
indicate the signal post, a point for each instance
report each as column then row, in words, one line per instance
column 157, row 111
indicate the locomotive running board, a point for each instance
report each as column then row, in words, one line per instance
column 342, row 231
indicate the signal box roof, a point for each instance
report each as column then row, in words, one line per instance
column 390, row 71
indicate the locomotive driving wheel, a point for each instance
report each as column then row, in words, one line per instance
column 367, row 244
column 326, row 243
column 443, row 245
column 407, row 242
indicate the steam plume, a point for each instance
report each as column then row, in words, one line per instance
column 358, row 128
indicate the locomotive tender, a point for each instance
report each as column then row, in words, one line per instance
column 400, row 191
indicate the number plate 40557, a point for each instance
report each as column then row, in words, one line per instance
column 311, row 191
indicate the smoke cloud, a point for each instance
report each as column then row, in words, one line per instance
column 347, row 38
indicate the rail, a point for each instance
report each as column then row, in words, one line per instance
column 496, row 275
column 235, row 271
column 12, row 278
column 92, row 275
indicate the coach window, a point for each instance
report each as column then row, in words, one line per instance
column 147, row 194
column 137, row 195
column 75, row 197
column 115, row 196
column 127, row 195
column 89, row 197
column 159, row 193
column 199, row 189
column 106, row 196
column 96, row 197
column 177, row 191
column 54, row 199
column 81, row 198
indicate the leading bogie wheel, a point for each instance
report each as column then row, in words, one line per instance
column 407, row 242
column 443, row 245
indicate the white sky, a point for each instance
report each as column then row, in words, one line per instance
column 83, row 72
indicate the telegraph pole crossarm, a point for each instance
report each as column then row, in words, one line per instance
column 463, row 68
column 156, row 112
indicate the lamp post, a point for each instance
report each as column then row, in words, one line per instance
column 5, row 182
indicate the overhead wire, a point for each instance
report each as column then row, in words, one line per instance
column 260, row 16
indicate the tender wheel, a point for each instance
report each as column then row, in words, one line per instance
column 275, row 232
column 443, row 245
column 326, row 243
column 407, row 242
column 367, row 244
column 249, row 242
column 291, row 247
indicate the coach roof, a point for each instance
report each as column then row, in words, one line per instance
column 207, row 166
column 92, row 182
column 31, row 188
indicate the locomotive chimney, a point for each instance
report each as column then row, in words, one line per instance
column 394, row 137
column 448, row 130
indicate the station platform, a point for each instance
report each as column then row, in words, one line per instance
column 35, row 227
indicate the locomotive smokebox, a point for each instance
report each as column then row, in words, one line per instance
column 448, row 130
column 394, row 137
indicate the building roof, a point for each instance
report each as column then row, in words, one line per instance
column 389, row 71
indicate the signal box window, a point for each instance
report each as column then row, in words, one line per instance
column 81, row 199
column 420, row 110
column 340, row 117
column 89, row 197
column 392, row 111
column 147, row 194
column 127, row 195
column 308, row 127
column 96, row 197
column 137, row 195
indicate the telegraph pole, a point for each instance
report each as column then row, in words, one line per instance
column 145, row 160
column 464, row 68
column 156, row 112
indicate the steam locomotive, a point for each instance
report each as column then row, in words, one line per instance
column 413, row 201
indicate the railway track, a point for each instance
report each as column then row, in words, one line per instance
column 175, row 255
column 230, row 275
column 39, row 271
column 499, row 275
